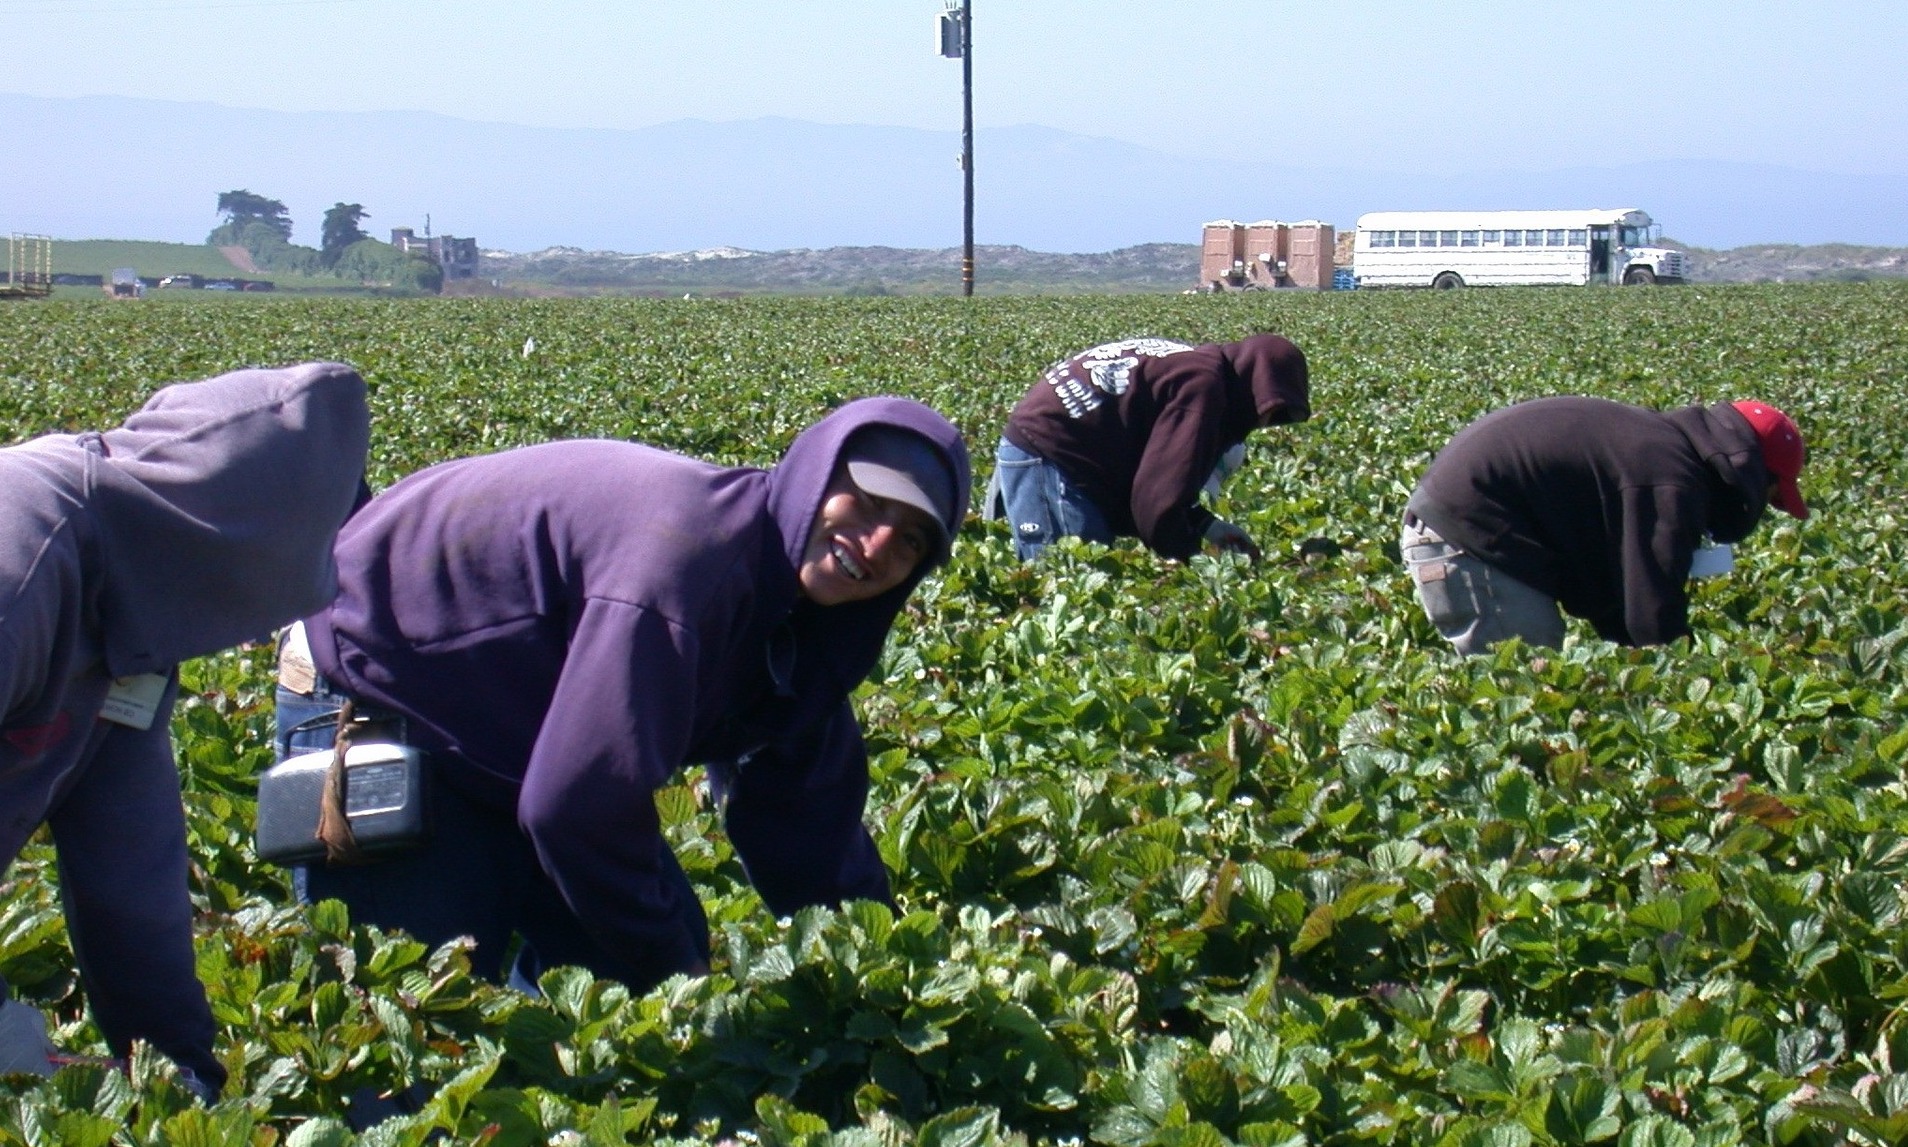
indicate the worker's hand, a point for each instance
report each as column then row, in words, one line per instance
column 200, row 1090
column 1228, row 537
column 24, row 1048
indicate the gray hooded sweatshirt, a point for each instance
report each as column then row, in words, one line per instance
column 205, row 520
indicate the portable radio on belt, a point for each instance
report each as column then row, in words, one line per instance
column 384, row 802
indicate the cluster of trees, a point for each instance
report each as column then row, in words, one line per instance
column 263, row 227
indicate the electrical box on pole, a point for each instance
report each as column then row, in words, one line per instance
column 947, row 34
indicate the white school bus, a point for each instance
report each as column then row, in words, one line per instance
column 1498, row 248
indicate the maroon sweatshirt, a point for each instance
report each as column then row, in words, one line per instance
column 1138, row 425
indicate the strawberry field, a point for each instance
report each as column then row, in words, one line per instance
column 1187, row 854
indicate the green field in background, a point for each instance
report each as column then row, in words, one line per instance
column 155, row 260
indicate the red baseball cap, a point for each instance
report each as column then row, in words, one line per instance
column 1782, row 453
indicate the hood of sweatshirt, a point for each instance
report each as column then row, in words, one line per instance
column 1727, row 445
column 215, row 507
column 1275, row 375
column 847, row 638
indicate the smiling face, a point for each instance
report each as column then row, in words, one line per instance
column 861, row 546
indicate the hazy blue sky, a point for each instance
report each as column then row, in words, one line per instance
column 1376, row 84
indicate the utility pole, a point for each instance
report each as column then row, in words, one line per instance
column 957, row 39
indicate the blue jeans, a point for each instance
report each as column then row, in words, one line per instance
column 1042, row 505
column 1473, row 604
column 476, row 876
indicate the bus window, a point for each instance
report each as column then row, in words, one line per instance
column 1490, row 237
column 1533, row 238
column 1577, row 238
column 1407, row 238
column 1447, row 239
column 1427, row 238
column 1384, row 238
column 1556, row 237
column 1468, row 239
column 1513, row 238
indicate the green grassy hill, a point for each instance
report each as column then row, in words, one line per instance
column 101, row 256
column 157, row 260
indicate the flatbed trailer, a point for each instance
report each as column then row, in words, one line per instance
column 29, row 267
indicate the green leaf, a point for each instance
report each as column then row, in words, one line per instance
column 1194, row 1135
column 1665, row 914
column 568, row 990
column 1582, row 1109
column 1657, row 1131
column 1478, row 1081
column 448, row 1104
column 323, row 1131
column 83, row 1129
column 786, row 1122
column 961, row 1127
column 537, row 1024
column 875, row 920
column 331, row 919
column 1317, row 929
column 921, row 1038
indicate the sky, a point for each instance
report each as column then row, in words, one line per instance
column 1387, row 85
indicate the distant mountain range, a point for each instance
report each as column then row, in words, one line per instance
column 111, row 166
column 1004, row 270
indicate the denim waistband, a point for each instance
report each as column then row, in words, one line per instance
column 330, row 700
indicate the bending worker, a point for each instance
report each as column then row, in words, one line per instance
column 1593, row 507
column 205, row 520
column 562, row 628
column 1119, row 440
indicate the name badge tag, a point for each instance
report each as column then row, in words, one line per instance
column 1712, row 561
column 295, row 669
column 133, row 701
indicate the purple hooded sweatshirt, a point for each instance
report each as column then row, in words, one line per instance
column 1138, row 425
column 205, row 520
column 568, row 625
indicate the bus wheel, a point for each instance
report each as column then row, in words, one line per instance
column 1638, row 277
column 1447, row 281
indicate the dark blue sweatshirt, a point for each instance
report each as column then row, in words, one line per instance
column 205, row 520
